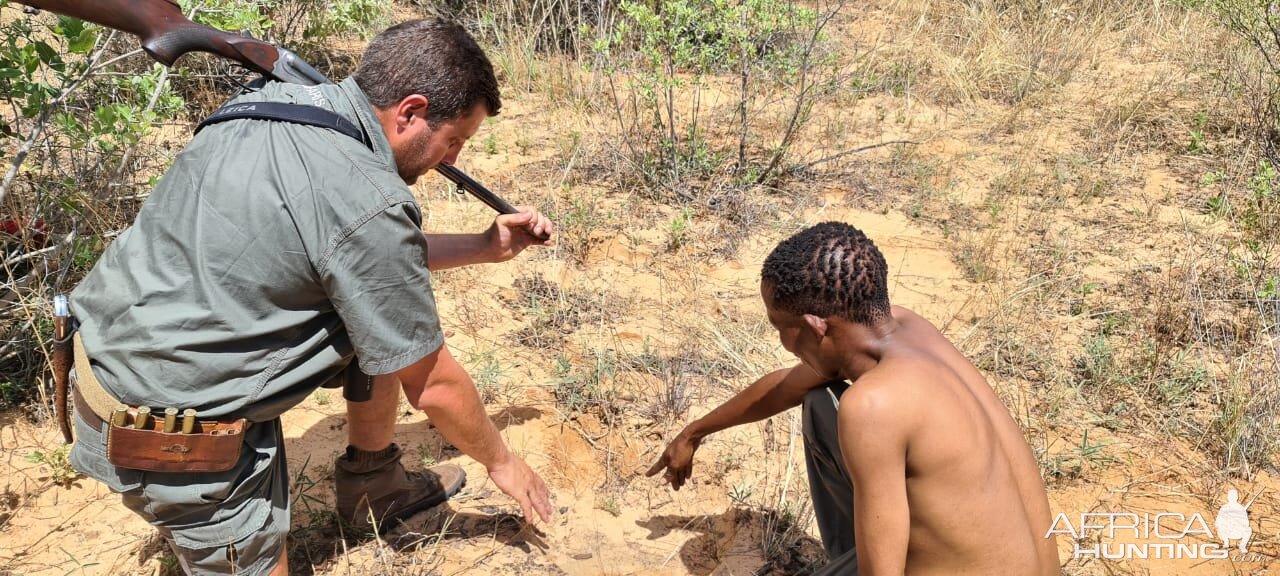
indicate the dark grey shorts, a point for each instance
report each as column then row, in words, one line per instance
column 217, row 523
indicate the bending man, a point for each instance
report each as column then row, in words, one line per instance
column 270, row 257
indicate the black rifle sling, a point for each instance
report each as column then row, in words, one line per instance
column 285, row 112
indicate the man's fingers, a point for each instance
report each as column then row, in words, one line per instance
column 545, row 226
column 543, row 504
column 541, row 229
column 659, row 465
column 515, row 220
column 527, row 507
column 680, row 477
column 536, row 223
column 541, row 498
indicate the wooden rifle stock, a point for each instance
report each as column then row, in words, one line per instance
column 167, row 34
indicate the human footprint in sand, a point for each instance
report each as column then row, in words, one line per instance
column 901, row 432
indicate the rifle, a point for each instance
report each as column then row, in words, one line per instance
column 167, row 34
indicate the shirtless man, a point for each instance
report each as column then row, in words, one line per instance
column 941, row 479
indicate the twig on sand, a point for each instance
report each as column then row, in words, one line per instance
column 55, row 529
column 589, row 438
column 475, row 562
column 840, row 155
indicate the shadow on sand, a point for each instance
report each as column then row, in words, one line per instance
column 785, row 547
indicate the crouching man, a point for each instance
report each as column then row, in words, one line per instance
column 915, row 467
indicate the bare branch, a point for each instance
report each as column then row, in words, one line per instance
column 802, row 103
column 840, row 155
column 66, row 241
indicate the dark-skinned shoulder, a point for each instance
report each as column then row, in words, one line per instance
column 878, row 405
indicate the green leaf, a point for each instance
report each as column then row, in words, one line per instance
column 106, row 115
column 47, row 54
column 30, row 59
column 83, row 42
column 70, row 27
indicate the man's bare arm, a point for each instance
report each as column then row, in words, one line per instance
column 509, row 235
column 873, row 441
column 775, row 392
column 439, row 386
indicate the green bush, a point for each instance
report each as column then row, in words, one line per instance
column 664, row 53
column 76, row 159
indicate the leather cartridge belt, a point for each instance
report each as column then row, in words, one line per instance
column 167, row 442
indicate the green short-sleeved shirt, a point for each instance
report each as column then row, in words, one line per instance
column 268, row 254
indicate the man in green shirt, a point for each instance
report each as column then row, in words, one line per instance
column 269, row 257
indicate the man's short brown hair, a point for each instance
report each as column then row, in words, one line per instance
column 435, row 58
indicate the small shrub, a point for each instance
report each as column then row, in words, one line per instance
column 670, row 48
column 58, row 464
column 487, row 372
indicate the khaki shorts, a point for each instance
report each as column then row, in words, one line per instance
column 232, row 522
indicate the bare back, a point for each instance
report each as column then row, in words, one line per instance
column 974, row 501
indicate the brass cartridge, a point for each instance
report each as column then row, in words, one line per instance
column 143, row 418
column 120, row 416
column 188, row 421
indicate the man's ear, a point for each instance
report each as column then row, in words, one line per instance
column 817, row 325
column 413, row 105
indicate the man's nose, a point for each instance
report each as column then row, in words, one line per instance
column 452, row 157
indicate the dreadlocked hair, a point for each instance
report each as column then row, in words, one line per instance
column 830, row 269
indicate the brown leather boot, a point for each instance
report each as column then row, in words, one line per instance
column 374, row 489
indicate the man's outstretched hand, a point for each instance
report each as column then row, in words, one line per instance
column 677, row 459
column 510, row 234
column 520, row 482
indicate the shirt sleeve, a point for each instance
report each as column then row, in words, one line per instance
column 378, row 282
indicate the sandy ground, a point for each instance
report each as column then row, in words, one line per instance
column 610, row 520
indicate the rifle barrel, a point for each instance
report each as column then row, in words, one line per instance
column 476, row 189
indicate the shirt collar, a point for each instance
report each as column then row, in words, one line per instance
column 368, row 121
